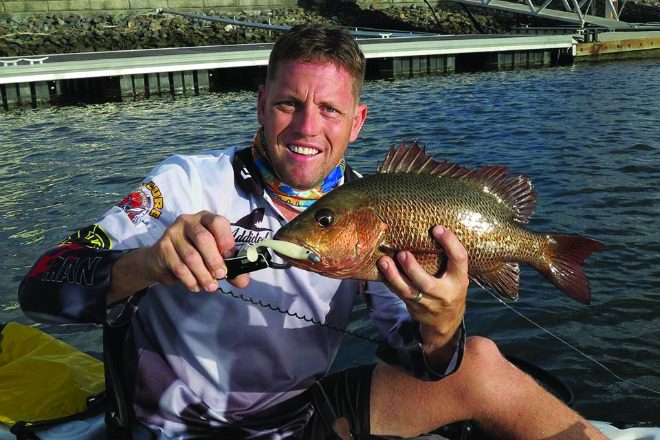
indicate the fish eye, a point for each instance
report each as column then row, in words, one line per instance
column 324, row 217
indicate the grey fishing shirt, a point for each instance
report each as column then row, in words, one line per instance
column 197, row 362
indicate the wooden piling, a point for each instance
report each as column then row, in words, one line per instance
column 164, row 83
column 406, row 67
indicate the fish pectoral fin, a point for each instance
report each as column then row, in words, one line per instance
column 387, row 249
column 503, row 279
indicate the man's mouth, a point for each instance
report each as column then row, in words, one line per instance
column 305, row 151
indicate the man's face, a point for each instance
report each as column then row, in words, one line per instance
column 309, row 115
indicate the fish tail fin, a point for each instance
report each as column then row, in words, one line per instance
column 562, row 264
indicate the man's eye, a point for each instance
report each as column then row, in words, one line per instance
column 332, row 113
column 287, row 105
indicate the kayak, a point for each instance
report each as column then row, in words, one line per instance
column 90, row 428
column 33, row 358
column 93, row 428
column 631, row 433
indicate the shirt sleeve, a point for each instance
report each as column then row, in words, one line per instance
column 69, row 283
column 402, row 347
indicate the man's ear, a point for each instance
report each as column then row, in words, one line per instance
column 358, row 121
column 261, row 104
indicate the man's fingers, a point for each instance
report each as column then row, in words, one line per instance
column 197, row 250
column 193, row 250
column 205, row 245
column 220, row 228
column 241, row 281
column 421, row 280
column 457, row 256
column 176, row 266
column 193, row 260
column 397, row 282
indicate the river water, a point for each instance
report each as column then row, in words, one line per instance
column 587, row 135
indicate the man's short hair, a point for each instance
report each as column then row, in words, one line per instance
column 319, row 43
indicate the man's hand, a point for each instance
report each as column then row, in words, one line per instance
column 441, row 306
column 191, row 250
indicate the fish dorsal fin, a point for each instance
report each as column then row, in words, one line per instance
column 414, row 159
column 517, row 193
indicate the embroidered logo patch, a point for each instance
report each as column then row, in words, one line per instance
column 91, row 236
column 146, row 202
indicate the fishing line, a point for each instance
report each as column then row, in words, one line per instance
column 368, row 338
column 296, row 315
column 568, row 344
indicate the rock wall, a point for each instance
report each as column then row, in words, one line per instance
column 58, row 32
column 93, row 7
column 66, row 33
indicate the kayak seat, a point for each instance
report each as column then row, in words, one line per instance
column 118, row 415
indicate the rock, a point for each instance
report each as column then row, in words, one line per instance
column 57, row 33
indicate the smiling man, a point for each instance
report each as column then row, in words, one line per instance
column 212, row 366
column 309, row 118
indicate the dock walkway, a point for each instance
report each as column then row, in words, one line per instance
column 41, row 78
column 31, row 80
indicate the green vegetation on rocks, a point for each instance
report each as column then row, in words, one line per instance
column 49, row 34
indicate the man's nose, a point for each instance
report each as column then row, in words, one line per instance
column 308, row 121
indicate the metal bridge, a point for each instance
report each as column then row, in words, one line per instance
column 574, row 12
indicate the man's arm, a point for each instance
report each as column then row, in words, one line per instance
column 190, row 251
column 441, row 306
column 128, row 276
column 75, row 283
column 68, row 284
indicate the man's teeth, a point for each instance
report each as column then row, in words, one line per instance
column 302, row 150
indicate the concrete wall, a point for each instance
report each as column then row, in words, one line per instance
column 113, row 7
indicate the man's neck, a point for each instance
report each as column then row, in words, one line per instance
column 287, row 211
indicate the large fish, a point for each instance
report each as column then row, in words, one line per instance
column 354, row 225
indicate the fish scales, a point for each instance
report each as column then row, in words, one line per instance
column 353, row 226
column 484, row 226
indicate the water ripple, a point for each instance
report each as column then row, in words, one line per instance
column 595, row 171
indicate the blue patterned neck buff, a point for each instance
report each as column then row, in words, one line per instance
column 297, row 199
